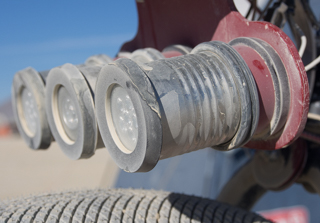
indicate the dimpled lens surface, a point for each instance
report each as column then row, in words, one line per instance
column 68, row 114
column 29, row 109
column 124, row 117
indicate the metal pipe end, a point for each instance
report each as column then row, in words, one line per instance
column 131, row 129
column 70, row 110
column 28, row 101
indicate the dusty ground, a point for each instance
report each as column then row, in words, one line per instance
column 24, row 172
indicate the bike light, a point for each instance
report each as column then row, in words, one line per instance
column 70, row 109
column 67, row 113
column 29, row 111
column 123, row 118
column 219, row 95
column 28, row 101
column 98, row 60
column 146, row 55
column 182, row 104
column 127, row 100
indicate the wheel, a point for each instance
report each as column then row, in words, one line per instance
column 121, row 205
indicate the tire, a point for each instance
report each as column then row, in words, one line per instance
column 121, row 205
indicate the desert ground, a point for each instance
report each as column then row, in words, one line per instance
column 24, row 171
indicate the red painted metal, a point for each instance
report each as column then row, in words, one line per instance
column 264, row 83
column 187, row 22
column 169, row 54
column 233, row 26
column 292, row 214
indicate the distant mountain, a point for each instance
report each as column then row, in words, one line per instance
column 6, row 112
column 7, row 122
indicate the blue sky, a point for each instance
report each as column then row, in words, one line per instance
column 48, row 33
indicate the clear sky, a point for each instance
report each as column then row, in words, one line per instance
column 48, row 33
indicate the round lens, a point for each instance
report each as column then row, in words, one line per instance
column 67, row 112
column 124, row 117
column 29, row 110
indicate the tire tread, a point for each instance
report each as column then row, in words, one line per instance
column 121, row 205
